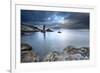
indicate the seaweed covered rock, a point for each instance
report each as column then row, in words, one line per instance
column 27, row 55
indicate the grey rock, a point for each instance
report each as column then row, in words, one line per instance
column 72, row 53
column 49, row 30
column 27, row 54
column 52, row 56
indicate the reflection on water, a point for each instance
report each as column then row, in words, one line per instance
column 43, row 43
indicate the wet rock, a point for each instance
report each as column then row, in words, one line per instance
column 27, row 55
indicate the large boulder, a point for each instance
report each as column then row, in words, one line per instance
column 27, row 54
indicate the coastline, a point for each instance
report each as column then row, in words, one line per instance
column 69, row 53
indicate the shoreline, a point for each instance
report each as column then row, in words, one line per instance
column 69, row 53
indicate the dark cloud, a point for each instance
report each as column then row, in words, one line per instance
column 72, row 20
column 78, row 20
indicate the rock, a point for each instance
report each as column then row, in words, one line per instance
column 72, row 53
column 49, row 30
column 25, row 28
column 52, row 56
column 74, row 57
column 70, row 50
column 25, row 47
column 69, row 53
column 29, row 28
column 59, row 31
column 84, row 51
column 27, row 55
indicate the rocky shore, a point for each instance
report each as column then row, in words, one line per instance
column 27, row 54
column 30, row 28
column 69, row 53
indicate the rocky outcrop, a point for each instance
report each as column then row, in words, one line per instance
column 73, row 53
column 68, row 54
column 27, row 55
column 29, row 28
column 49, row 30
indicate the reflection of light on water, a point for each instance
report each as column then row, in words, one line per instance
column 63, row 35
column 56, row 36
column 55, row 41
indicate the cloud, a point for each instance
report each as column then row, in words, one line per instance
column 72, row 20
column 77, row 21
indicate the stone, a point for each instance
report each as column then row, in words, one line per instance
column 72, row 53
column 70, row 50
column 52, row 56
column 27, row 54
column 49, row 30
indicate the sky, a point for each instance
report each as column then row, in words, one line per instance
column 55, row 19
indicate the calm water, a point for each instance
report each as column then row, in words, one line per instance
column 53, row 41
